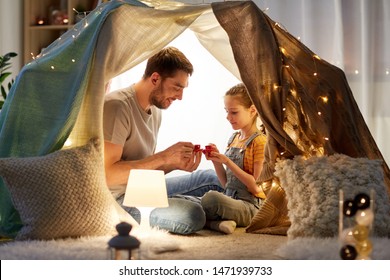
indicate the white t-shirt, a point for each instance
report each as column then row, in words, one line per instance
column 125, row 123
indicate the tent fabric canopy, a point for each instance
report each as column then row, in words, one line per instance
column 60, row 95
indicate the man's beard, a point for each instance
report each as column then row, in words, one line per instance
column 156, row 98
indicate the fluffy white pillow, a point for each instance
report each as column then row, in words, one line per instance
column 312, row 189
column 62, row 194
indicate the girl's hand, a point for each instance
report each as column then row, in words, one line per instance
column 214, row 155
column 217, row 157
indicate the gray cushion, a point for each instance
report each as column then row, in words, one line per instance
column 312, row 189
column 62, row 194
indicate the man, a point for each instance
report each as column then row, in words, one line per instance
column 132, row 119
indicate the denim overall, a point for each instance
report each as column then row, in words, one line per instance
column 234, row 187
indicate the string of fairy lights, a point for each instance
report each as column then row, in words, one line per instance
column 355, row 242
column 321, row 101
column 74, row 32
column 356, row 216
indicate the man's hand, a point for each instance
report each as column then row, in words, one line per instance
column 182, row 156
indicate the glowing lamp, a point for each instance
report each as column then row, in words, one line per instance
column 146, row 190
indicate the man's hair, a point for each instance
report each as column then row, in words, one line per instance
column 167, row 62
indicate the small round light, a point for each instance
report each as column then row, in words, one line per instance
column 360, row 233
column 362, row 201
column 347, row 236
column 364, row 217
column 364, row 248
column 348, row 252
column 349, row 208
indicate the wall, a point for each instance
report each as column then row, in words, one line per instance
column 11, row 30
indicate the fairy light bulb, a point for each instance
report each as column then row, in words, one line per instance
column 293, row 92
column 324, row 99
column 317, row 57
column 68, row 143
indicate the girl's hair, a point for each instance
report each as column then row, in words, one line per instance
column 240, row 93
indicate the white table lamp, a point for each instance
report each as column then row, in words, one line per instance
column 146, row 190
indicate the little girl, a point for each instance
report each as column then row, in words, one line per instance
column 243, row 160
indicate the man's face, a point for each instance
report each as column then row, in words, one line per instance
column 168, row 90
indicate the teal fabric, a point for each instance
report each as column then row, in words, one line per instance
column 44, row 102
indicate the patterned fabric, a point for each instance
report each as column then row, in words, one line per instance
column 62, row 194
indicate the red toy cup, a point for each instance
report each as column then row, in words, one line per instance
column 207, row 150
column 197, row 148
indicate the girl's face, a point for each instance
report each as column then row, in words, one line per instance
column 238, row 116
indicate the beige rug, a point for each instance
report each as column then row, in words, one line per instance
column 212, row 245
column 158, row 245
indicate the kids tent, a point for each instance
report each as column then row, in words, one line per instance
column 59, row 95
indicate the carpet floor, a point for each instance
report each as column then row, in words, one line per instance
column 204, row 245
column 158, row 245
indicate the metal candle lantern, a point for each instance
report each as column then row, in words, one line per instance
column 122, row 245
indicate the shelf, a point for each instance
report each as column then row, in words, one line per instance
column 50, row 27
column 38, row 37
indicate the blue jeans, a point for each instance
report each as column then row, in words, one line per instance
column 184, row 215
column 195, row 184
